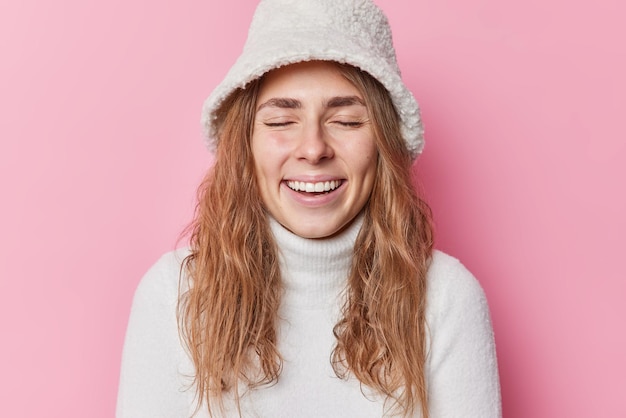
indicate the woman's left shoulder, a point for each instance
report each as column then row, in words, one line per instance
column 450, row 283
column 462, row 362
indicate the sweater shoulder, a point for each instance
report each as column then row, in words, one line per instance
column 450, row 284
column 161, row 281
column 462, row 362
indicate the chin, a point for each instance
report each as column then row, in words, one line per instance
column 313, row 233
column 318, row 230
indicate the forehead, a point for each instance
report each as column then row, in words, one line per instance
column 314, row 78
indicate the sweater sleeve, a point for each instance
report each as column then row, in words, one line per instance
column 462, row 365
column 152, row 381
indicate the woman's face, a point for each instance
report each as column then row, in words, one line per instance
column 313, row 147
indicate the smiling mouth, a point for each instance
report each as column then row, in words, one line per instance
column 317, row 188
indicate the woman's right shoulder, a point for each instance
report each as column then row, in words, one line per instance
column 162, row 280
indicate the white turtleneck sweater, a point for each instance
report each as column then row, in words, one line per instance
column 461, row 367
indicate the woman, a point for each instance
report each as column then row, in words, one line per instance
column 311, row 288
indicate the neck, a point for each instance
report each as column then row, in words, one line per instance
column 314, row 271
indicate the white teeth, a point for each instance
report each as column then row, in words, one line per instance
column 319, row 187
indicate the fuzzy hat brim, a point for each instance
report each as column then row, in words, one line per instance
column 274, row 47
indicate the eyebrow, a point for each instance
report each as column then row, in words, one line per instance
column 341, row 101
column 288, row 103
column 281, row 102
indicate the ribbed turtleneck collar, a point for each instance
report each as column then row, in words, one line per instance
column 314, row 271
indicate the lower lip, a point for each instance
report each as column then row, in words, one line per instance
column 314, row 200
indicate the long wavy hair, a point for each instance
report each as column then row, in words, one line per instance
column 228, row 308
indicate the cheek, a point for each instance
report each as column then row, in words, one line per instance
column 270, row 151
column 369, row 170
column 263, row 180
column 267, row 160
column 366, row 158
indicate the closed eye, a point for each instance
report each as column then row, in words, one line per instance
column 277, row 124
column 349, row 124
column 353, row 124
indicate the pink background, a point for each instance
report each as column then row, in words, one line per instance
column 100, row 155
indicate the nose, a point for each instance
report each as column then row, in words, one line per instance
column 314, row 145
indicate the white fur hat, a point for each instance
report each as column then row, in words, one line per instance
column 284, row 32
